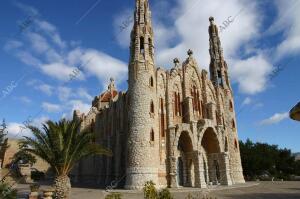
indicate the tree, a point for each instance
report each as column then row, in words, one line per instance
column 3, row 140
column 261, row 158
column 62, row 145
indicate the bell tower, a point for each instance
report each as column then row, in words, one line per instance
column 218, row 66
column 143, row 135
column 219, row 77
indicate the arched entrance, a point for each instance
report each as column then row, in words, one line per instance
column 211, row 156
column 185, row 161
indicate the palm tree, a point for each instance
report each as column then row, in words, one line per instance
column 62, row 145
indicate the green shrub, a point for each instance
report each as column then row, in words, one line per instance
column 165, row 194
column 7, row 192
column 113, row 196
column 150, row 191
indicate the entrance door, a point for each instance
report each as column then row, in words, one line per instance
column 217, row 170
column 180, row 171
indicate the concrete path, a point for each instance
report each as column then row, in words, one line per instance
column 253, row 190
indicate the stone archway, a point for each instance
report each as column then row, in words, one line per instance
column 185, row 161
column 211, row 153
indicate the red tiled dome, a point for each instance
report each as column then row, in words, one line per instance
column 106, row 96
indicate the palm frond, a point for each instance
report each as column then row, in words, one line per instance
column 61, row 144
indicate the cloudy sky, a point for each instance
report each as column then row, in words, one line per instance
column 57, row 55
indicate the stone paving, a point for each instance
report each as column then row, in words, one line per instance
column 253, row 190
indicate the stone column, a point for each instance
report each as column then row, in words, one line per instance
column 199, row 170
column 172, row 159
column 225, row 169
column 211, row 111
column 189, row 111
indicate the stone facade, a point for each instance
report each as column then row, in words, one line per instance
column 175, row 127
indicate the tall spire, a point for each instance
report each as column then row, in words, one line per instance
column 141, row 47
column 218, row 66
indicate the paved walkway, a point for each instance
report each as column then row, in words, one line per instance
column 265, row 190
column 253, row 190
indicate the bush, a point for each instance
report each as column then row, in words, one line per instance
column 150, row 191
column 165, row 194
column 113, row 196
column 7, row 192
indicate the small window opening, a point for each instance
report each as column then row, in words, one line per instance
column 233, row 124
column 235, row 144
column 152, row 135
column 151, row 107
column 220, row 81
column 151, row 81
column 230, row 106
column 142, row 47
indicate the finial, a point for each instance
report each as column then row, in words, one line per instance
column 111, row 85
column 190, row 52
column 176, row 62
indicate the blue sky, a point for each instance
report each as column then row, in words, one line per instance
column 43, row 42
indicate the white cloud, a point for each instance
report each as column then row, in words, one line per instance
column 288, row 23
column 51, row 108
column 247, row 101
column 38, row 43
column 12, row 44
column 28, row 58
column 42, row 46
column 251, row 74
column 16, row 130
column 64, row 93
column 276, row 118
column 45, row 88
column 25, row 99
column 79, row 105
column 84, row 94
column 60, row 71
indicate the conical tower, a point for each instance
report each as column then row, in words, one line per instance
column 143, row 150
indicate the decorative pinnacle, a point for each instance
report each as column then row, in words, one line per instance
column 211, row 19
column 190, row 52
column 111, row 85
column 176, row 61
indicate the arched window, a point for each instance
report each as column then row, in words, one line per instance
column 230, row 105
column 162, row 118
column 151, row 81
column 226, row 144
column 142, row 46
column 233, row 124
column 177, row 105
column 152, row 135
column 202, row 109
column 235, row 144
column 151, row 107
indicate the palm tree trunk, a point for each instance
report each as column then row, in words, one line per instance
column 62, row 187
